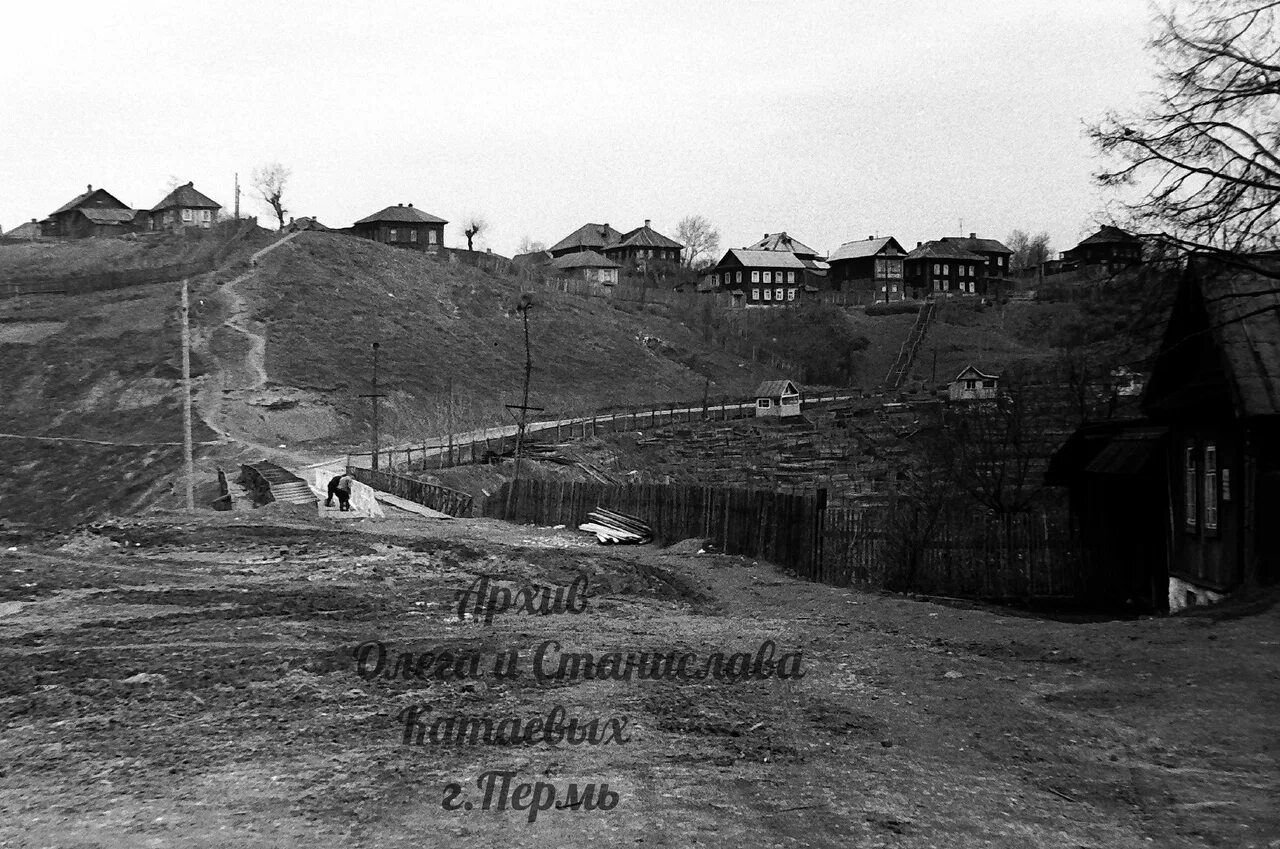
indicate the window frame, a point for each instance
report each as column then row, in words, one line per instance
column 1209, row 489
column 1190, row 490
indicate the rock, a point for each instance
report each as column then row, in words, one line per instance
column 888, row 744
column 143, row 679
column 953, row 674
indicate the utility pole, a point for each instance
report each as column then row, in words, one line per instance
column 186, row 398
column 374, row 396
column 237, row 195
column 449, row 414
column 526, row 303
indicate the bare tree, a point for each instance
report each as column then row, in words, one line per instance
column 700, row 239
column 475, row 226
column 1206, row 150
column 1028, row 251
column 529, row 246
column 269, row 181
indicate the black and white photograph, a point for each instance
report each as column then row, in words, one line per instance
column 761, row 424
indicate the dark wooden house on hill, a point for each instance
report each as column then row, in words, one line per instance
column 1110, row 246
column 816, row 268
column 587, row 265
column 588, row 237
column 184, row 207
column 760, row 278
column 644, row 249
column 97, row 212
column 1190, row 495
column 996, row 253
column 403, row 226
column 873, row 266
column 943, row 268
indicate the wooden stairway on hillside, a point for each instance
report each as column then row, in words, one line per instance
column 907, row 353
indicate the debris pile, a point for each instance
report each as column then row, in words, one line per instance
column 613, row 528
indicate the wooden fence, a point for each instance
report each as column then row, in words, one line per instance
column 74, row 284
column 963, row 554
column 428, row 495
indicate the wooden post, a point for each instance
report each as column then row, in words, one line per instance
column 189, row 459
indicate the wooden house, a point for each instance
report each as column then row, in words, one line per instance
column 943, row 268
column 184, row 207
column 403, row 226
column 97, row 212
column 1190, row 493
column 873, row 266
column 588, row 237
column 973, row 385
column 767, row 278
column 644, row 249
column 589, row 266
column 1110, row 246
column 777, row 399
column 996, row 253
column 816, row 268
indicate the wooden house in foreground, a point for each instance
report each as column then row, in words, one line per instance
column 778, row 399
column 873, row 265
column 1187, row 500
column 183, row 207
column 403, row 226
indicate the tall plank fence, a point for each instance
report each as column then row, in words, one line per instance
column 966, row 554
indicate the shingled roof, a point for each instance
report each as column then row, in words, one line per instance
column 83, row 197
column 186, row 197
column 1109, row 235
column 645, row 237
column 583, row 259
column 764, row 259
column 1241, row 299
column 401, row 214
column 942, row 249
column 863, row 248
column 973, row 243
column 108, row 216
column 591, row 236
column 782, row 242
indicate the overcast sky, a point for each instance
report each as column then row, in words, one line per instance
column 830, row 120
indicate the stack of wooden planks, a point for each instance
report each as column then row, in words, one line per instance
column 613, row 528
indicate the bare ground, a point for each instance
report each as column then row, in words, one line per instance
column 189, row 682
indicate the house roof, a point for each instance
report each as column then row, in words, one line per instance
column 24, row 231
column 401, row 214
column 186, row 197
column 782, row 242
column 1241, row 298
column 79, row 199
column 862, row 248
column 533, row 258
column 970, row 371
column 588, row 236
column 1109, row 235
column 763, row 259
column 775, row 388
column 1129, row 452
column 108, row 216
column 940, row 249
column 973, row 243
column 583, row 259
column 644, row 237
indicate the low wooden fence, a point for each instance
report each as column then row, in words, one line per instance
column 428, row 495
column 74, row 284
column 770, row 525
column 963, row 554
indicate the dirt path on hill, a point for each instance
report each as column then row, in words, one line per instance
column 190, row 682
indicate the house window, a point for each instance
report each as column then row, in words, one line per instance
column 413, row 235
column 206, row 215
column 1226, row 484
column 999, row 260
column 1189, row 488
column 971, row 385
column 768, row 277
column 791, row 294
column 755, row 294
column 755, row 277
column 186, row 215
column 432, row 237
column 738, row 275
column 1210, row 487
column 392, row 236
column 937, row 269
column 764, row 403
column 946, row 268
column 791, row 277
column 971, row 274
column 777, row 294
column 768, row 294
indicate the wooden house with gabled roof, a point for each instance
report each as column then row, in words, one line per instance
column 996, row 253
column 96, row 212
column 873, row 265
column 766, row 278
column 588, row 237
column 1110, row 246
column 944, row 268
column 777, row 399
column 403, row 226
column 185, row 206
column 587, row 265
column 644, row 248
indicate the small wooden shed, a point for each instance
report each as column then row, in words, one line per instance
column 973, row 385
column 778, row 399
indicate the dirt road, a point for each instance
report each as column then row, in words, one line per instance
column 192, row 683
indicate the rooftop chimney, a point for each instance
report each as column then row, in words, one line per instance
column 399, row 204
column 646, row 222
column 766, row 235
column 411, row 206
column 919, row 244
column 91, row 187
column 869, row 238
column 973, row 235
